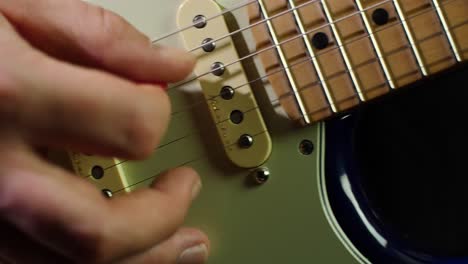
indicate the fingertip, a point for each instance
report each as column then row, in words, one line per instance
column 184, row 177
column 198, row 237
column 186, row 245
column 150, row 122
column 179, row 61
column 194, row 246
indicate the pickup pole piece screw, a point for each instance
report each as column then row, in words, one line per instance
column 246, row 141
column 199, row 21
column 227, row 93
column 107, row 193
column 97, row 172
column 208, row 45
column 218, row 68
column 237, row 117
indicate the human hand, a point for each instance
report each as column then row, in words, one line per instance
column 74, row 75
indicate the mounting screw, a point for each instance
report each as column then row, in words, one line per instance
column 199, row 21
column 246, row 141
column 261, row 175
column 306, row 147
column 107, row 193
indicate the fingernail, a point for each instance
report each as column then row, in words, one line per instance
column 194, row 255
column 196, row 189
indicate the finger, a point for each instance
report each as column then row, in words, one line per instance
column 52, row 102
column 70, row 216
column 186, row 246
column 91, row 36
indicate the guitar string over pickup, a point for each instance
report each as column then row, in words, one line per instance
column 231, row 102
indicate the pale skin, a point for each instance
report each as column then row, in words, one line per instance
column 75, row 76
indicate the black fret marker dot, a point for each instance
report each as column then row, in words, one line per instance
column 320, row 41
column 380, row 16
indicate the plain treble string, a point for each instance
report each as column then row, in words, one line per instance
column 154, row 41
column 255, row 24
column 307, row 59
column 256, row 53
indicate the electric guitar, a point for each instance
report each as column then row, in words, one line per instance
column 265, row 111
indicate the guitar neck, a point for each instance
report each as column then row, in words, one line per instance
column 333, row 55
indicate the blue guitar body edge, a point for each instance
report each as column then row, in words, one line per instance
column 352, row 209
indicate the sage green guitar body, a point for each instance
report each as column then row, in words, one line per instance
column 285, row 220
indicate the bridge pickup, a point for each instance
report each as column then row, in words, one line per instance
column 225, row 86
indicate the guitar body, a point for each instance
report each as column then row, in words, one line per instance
column 396, row 178
column 301, row 214
column 245, row 223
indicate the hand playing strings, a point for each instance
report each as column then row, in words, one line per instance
column 75, row 76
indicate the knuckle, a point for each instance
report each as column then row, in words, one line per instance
column 110, row 30
column 107, row 29
column 147, row 124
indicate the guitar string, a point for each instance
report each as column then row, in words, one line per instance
column 181, row 165
column 309, row 58
column 201, row 157
column 290, row 93
column 260, row 22
column 316, row 83
column 256, row 53
column 154, row 41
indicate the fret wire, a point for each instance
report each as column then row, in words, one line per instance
column 240, row 30
column 343, row 51
column 275, row 101
column 448, row 33
column 320, row 54
column 316, row 63
column 256, row 53
column 127, row 186
column 344, row 72
column 224, row 12
column 410, row 36
column 284, row 62
column 376, row 45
